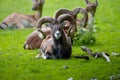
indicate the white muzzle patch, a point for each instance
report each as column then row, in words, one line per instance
column 57, row 34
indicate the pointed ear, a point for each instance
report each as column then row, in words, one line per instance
column 41, row 1
column 96, row 2
column 87, row 1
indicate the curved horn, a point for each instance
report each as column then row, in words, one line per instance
column 43, row 20
column 85, row 18
column 65, row 11
column 42, row 34
column 62, row 11
column 84, row 12
column 75, row 12
column 64, row 17
column 70, row 18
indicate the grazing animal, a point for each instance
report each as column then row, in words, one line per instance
column 21, row 21
column 58, row 44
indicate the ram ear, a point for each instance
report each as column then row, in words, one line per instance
column 96, row 2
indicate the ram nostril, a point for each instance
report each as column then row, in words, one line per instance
column 57, row 32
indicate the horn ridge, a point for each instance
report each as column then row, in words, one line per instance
column 43, row 20
column 85, row 18
column 71, row 19
column 62, row 11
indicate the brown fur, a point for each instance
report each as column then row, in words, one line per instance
column 58, row 44
column 33, row 41
column 21, row 21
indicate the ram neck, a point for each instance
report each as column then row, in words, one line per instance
column 39, row 13
column 60, row 42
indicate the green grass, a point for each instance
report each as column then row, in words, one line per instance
column 19, row 64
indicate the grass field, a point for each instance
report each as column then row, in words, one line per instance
column 19, row 64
